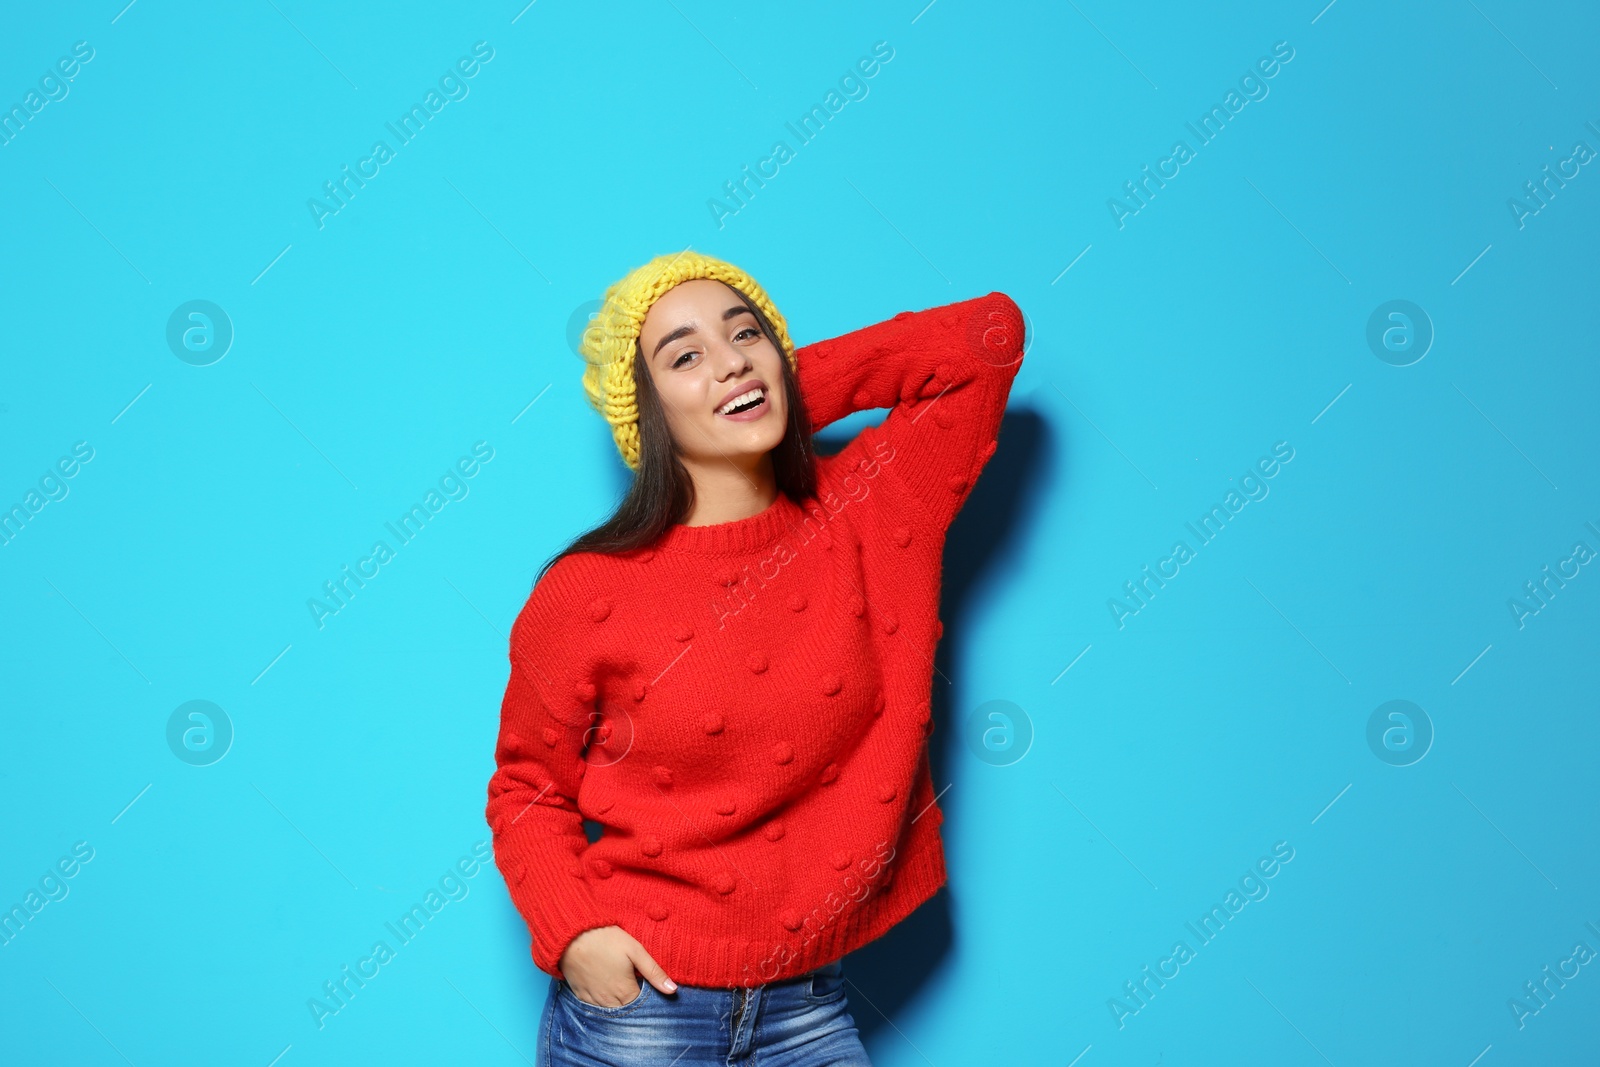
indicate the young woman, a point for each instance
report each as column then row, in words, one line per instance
column 731, row 676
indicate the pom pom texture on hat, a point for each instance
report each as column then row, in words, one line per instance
column 611, row 339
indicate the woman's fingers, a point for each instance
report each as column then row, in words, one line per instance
column 608, row 995
column 651, row 969
column 598, row 967
column 595, row 968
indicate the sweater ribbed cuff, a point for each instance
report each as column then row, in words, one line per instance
column 556, row 904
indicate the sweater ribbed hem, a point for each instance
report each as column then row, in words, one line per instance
column 693, row 957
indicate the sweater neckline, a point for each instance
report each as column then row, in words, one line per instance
column 737, row 536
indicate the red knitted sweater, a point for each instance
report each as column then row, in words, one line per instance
column 744, row 707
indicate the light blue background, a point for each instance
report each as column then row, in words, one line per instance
column 1228, row 314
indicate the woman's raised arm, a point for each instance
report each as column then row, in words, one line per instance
column 945, row 373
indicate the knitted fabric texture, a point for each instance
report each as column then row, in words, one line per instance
column 610, row 341
column 744, row 708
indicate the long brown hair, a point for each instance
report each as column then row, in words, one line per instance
column 662, row 492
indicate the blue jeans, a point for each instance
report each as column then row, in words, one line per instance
column 796, row 1022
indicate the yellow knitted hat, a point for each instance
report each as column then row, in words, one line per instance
column 611, row 339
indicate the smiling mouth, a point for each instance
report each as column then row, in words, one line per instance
column 747, row 404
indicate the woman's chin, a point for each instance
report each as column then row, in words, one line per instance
column 748, row 442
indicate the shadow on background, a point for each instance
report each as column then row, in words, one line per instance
column 888, row 973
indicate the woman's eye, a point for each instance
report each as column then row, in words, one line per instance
column 681, row 356
column 749, row 330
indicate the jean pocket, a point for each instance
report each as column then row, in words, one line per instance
column 826, row 983
column 600, row 1009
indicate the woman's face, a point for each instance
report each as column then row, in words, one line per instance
column 703, row 345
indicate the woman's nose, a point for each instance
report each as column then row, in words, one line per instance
column 730, row 359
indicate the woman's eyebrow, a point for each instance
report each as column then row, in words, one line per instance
column 685, row 330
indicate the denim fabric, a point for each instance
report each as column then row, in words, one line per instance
column 797, row 1022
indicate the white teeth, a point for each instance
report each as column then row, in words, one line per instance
column 742, row 399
